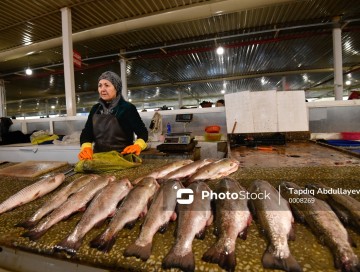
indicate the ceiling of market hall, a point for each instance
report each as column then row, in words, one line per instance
column 170, row 49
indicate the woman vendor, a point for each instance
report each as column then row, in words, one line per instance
column 112, row 122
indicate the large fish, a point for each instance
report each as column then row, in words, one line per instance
column 32, row 192
column 161, row 211
column 102, row 206
column 56, row 200
column 133, row 206
column 275, row 218
column 192, row 220
column 215, row 170
column 345, row 207
column 164, row 170
column 187, row 170
column 324, row 223
column 76, row 202
column 232, row 218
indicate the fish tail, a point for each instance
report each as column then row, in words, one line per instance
column 288, row 264
column 218, row 254
column 27, row 224
column 68, row 246
column 142, row 252
column 184, row 262
column 351, row 265
column 34, row 234
column 103, row 244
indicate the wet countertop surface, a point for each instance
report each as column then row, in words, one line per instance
column 301, row 163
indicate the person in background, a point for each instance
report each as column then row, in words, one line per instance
column 112, row 122
column 220, row 103
column 354, row 95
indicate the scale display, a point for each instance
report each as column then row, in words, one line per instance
column 184, row 117
column 184, row 139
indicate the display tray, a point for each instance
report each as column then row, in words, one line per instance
column 30, row 169
column 308, row 251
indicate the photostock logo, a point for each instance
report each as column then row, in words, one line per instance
column 186, row 192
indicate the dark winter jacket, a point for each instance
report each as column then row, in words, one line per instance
column 127, row 116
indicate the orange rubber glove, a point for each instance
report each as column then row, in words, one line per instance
column 136, row 148
column 86, row 152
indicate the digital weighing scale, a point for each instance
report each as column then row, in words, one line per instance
column 179, row 142
column 182, row 137
column 177, row 138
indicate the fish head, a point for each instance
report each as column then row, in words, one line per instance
column 199, row 186
column 59, row 177
column 259, row 186
column 126, row 183
column 225, row 183
column 230, row 164
column 233, row 164
column 286, row 188
column 111, row 178
column 148, row 182
column 316, row 186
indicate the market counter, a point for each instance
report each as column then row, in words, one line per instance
column 311, row 255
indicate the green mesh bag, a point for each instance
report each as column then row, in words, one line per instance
column 107, row 161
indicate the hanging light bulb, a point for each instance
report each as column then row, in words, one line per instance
column 220, row 50
column 28, row 71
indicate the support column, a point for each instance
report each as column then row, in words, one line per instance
column 69, row 76
column 123, row 76
column 337, row 52
column 283, row 83
column 180, row 98
column 2, row 99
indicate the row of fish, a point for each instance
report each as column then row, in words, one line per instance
column 106, row 194
column 189, row 171
column 231, row 217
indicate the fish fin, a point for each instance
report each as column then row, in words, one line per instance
column 252, row 209
column 141, row 252
column 341, row 212
column 33, row 234
column 225, row 260
column 351, row 242
column 27, row 224
column 144, row 212
column 173, row 217
column 100, row 223
column 243, row 233
column 346, row 266
column 201, row 234
column 68, row 246
column 102, row 244
column 216, row 231
column 131, row 224
column 298, row 215
column 288, row 264
column 163, row 227
column 210, row 220
column 292, row 233
column 185, row 262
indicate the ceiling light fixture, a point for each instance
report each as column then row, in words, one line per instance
column 220, row 50
column 28, row 71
